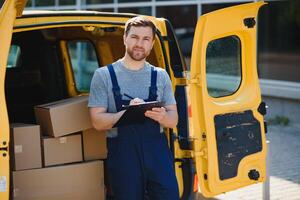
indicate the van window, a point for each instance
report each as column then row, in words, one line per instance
column 84, row 63
column 13, row 56
column 223, row 66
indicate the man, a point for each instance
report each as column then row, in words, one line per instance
column 139, row 161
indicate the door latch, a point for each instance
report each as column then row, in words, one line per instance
column 4, row 149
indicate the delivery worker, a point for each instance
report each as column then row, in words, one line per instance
column 139, row 161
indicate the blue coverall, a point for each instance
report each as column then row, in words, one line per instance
column 140, row 163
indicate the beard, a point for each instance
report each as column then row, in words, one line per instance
column 137, row 54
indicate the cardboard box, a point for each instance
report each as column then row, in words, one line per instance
column 26, row 146
column 68, row 182
column 94, row 144
column 62, row 150
column 64, row 117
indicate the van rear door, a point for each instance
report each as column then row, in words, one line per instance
column 226, row 106
column 10, row 9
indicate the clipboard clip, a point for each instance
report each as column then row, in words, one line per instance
column 147, row 103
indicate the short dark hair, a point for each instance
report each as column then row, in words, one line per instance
column 140, row 22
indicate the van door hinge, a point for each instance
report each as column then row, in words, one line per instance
column 180, row 138
column 196, row 80
column 194, row 154
column 181, row 81
column 202, row 153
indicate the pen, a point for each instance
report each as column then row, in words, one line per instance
column 130, row 97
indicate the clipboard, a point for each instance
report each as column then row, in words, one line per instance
column 135, row 114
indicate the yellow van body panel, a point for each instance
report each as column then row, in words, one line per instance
column 205, row 107
column 8, row 13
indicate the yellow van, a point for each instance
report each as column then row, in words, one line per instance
column 219, row 144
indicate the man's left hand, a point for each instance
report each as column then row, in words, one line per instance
column 157, row 114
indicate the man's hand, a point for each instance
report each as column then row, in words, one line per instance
column 157, row 114
column 167, row 116
column 136, row 101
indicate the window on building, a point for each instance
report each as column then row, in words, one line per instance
column 84, row 63
column 223, row 66
column 169, row 0
column 44, row 3
column 137, row 10
column 279, row 41
column 29, row 3
column 98, row 1
column 67, row 2
column 103, row 9
column 206, row 8
column 126, row 1
column 184, row 28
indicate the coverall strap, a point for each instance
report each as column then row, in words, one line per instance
column 153, row 87
column 115, row 87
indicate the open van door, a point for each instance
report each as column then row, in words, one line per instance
column 10, row 9
column 226, row 106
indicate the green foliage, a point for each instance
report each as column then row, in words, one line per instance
column 279, row 120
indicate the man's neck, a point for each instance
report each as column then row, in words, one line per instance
column 131, row 64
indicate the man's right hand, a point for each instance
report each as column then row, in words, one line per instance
column 136, row 101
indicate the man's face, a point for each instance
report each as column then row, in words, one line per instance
column 139, row 42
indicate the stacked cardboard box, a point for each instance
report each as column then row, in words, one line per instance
column 64, row 117
column 26, row 146
column 94, row 144
column 69, row 116
column 68, row 139
column 76, row 182
column 62, row 150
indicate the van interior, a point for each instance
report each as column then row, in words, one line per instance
column 36, row 72
column 39, row 59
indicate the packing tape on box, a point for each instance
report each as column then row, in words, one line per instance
column 63, row 140
column 16, row 192
column 18, row 148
